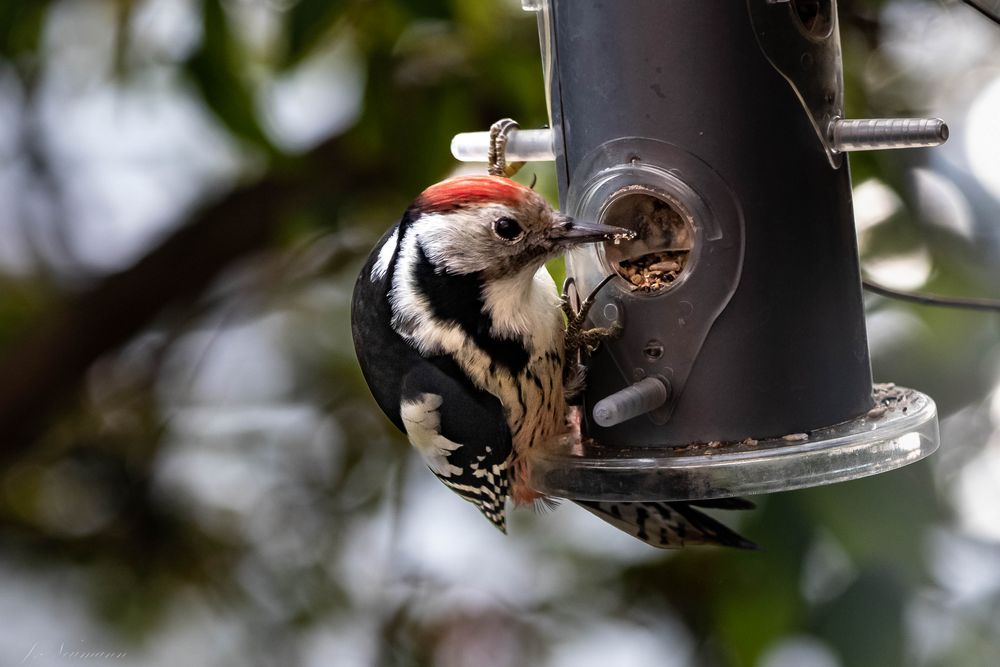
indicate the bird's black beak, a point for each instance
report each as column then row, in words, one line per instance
column 574, row 232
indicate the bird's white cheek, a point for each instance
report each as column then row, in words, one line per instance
column 457, row 242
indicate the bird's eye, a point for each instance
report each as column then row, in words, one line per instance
column 507, row 229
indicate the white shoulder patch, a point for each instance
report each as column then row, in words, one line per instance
column 423, row 427
column 384, row 257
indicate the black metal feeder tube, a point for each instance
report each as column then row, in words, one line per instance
column 682, row 104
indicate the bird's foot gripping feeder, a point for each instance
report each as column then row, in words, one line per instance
column 742, row 365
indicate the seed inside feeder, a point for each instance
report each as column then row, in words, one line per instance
column 657, row 256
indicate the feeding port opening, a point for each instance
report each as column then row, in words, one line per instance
column 815, row 16
column 661, row 252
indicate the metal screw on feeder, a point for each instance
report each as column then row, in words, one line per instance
column 644, row 396
column 722, row 147
column 886, row 133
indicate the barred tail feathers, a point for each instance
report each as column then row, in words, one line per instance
column 670, row 525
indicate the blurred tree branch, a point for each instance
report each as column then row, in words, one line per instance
column 38, row 372
column 46, row 365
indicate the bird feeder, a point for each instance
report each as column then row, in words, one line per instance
column 716, row 131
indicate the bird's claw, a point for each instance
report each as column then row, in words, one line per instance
column 586, row 341
column 590, row 339
column 577, row 338
column 497, row 152
column 567, row 307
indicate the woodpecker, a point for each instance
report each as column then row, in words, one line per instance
column 459, row 332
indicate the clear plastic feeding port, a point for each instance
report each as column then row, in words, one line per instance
column 661, row 251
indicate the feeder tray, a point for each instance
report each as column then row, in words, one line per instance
column 901, row 429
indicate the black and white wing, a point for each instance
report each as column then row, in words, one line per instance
column 461, row 433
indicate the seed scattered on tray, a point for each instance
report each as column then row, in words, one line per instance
column 888, row 398
column 877, row 412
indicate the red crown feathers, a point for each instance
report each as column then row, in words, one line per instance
column 464, row 190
